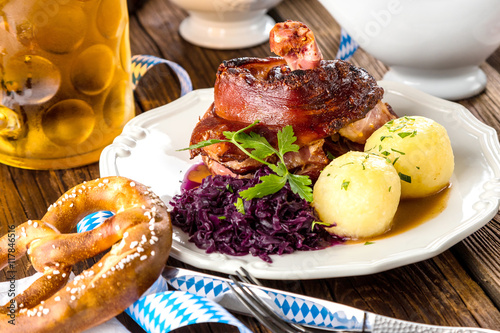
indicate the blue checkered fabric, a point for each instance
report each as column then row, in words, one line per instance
column 169, row 310
column 201, row 286
column 142, row 63
column 347, row 46
column 306, row 312
column 160, row 310
column 288, row 307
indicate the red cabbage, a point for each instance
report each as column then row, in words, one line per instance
column 276, row 224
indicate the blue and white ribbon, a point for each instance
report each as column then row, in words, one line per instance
column 161, row 310
column 168, row 310
column 142, row 63
column 303, row 311
column 293, row 309
column 202, row 286
column 347, row 46
column 92, row 221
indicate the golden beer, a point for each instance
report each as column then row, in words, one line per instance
column 65, row 78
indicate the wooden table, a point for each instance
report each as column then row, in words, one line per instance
column 460, row 287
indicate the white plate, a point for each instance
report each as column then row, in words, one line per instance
column 146, row 151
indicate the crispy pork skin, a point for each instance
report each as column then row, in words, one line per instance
column 316, row 102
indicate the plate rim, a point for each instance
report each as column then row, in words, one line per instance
column 137, row 129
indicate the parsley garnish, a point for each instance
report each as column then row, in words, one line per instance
column 330, row 155
column 240, row 206
column 404, row 177
column 398, row 151
column 369, row 243
column 403, row 135
column 402, row 122
column 260, row 150
column 320, row 223
column 345, row 185
column 383, row 137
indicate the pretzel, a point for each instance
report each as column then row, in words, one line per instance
column 140, row 237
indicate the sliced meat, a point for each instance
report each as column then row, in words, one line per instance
column 226, row 158
column 360, row 130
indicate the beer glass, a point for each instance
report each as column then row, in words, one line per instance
column 65, row 77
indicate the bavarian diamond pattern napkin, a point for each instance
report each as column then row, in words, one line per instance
column 160, row 310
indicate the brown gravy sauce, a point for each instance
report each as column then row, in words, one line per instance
column 198, row 172
column 412, row 213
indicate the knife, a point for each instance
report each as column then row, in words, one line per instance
column 300, row 309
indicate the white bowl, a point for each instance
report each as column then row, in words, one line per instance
column 434, row 45
column 226, row 24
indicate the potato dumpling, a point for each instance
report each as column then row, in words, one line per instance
column 359, row 193
column 420, row 150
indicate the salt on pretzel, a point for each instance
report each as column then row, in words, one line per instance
column 140, row 237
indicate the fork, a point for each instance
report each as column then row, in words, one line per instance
column 241, row 288
column 261, row 310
